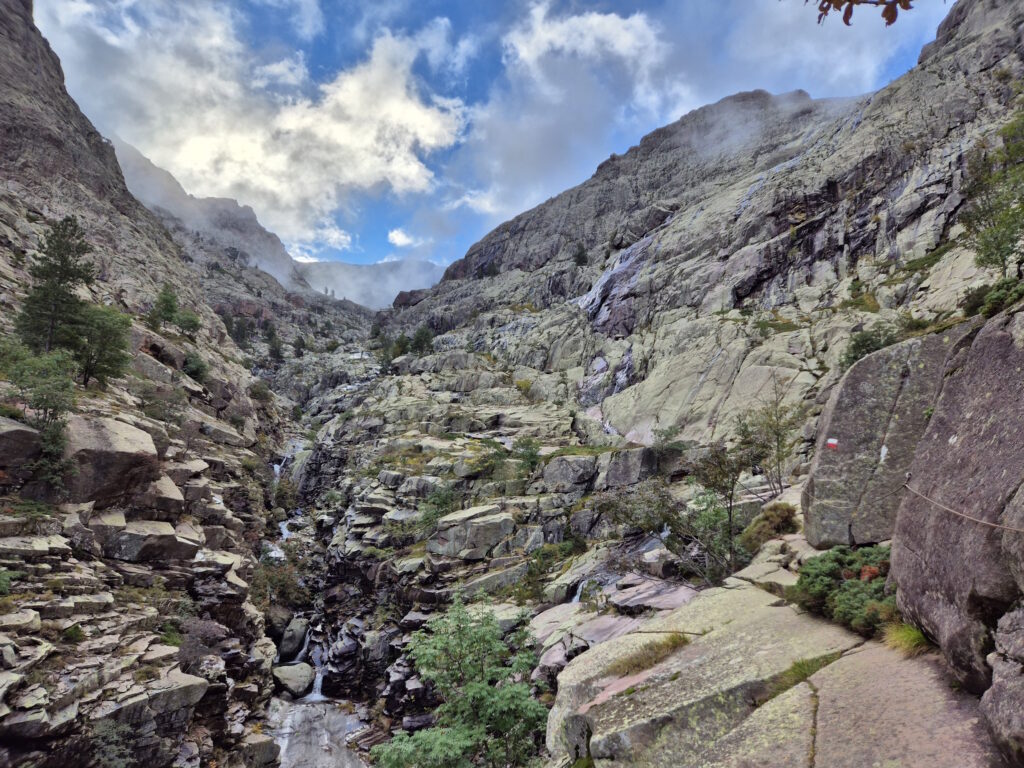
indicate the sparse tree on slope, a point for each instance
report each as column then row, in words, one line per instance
column 102, row 348
column 52, row 305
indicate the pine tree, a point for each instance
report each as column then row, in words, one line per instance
column 52, row 306
column 423, row 341
column 164, row 310
column 102, row 349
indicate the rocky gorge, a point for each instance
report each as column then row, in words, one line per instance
column 245, row 550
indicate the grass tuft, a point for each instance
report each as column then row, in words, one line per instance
column 905, row 638
column 651, row 654
column 798, row 671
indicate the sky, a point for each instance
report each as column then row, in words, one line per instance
column 376, row 130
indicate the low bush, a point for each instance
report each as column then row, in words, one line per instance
column 848, row 586
column 278, row 583
column 775, row 519
column 863, row 343
column 73, row 634
column 974, row 299
column 195, row 367
column 1004, row 294
column 526, row 450
column 260, row 392
column 440, row 502
column 6, row 577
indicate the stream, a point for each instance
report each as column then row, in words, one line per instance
column 312, row 731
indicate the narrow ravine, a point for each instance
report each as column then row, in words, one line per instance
column 311, row 731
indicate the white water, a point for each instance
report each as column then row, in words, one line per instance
column 312, row 734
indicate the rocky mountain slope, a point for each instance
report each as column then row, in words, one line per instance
column 585, row 354
column 746, row 239
column 168, row 485
column 223, row 225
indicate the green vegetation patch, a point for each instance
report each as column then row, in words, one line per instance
column 848, row 586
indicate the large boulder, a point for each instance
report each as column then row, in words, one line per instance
column 623, row 468
column 471, row 533
column 867, row 436
column 958, row 578
column 144, row 540
column 296, row 679
column 19, row 445
column 568, row 473
column 109, row 460
column 293, row 638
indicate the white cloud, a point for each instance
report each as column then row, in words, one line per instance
column 402, row 239
column 290, row 72
column 177, row 81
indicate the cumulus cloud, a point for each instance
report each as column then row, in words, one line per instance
column 576, row 86
column 402, row 239
column 178, row 81
column 562, row 87
column 570, row 82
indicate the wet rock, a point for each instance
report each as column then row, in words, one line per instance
column 293, row 638
column 295, row 679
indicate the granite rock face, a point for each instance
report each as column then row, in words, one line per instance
column 956, row 577
column 867, row 436
column 110, row 459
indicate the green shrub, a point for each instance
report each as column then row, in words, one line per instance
column 73, row 634
column 163, row 403
column 487, row 715
column 188, row 321
column 848, row 586
column 164, row 310
column 195, row 367
column 278, row 583
column 440, row 502
column 423, row 341
column 170, row 634
column 286, row 494
column 863, row 343
column 1004, row 294
column 6, row 577
column 775, row 519
column 102, row 348
column 260, row 392
column 527, row 451
column 974, row 299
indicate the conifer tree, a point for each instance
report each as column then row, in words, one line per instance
column 102, row 348
column 52, row 306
